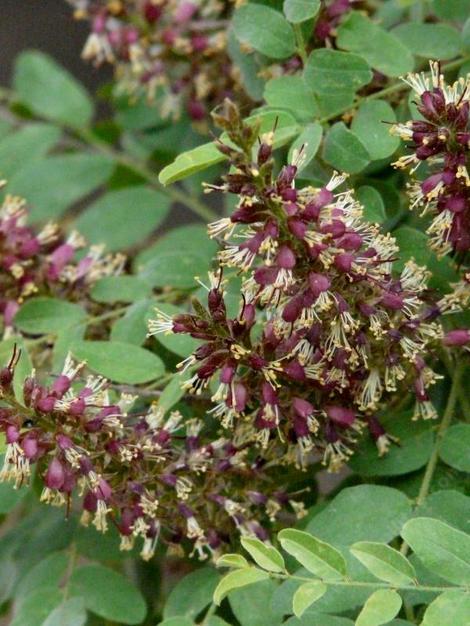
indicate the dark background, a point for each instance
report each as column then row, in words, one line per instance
column 46, row 25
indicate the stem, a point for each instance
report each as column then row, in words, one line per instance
column 193, row 204
column 446, row 420
column 70, row 567
column 368, row 585
column 433, row 459
column 91, row 320
column 299, row 38
column 463, row 399
column 133, row 389
column 409, row 612
column 210, row 612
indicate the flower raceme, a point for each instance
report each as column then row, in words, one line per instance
column 327, row 331
column 442, row 140
column 43, row 263
column 177, row 47
column 151, row 476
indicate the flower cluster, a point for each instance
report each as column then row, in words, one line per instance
column 175, row 49
column 327, row 331
column 43, row 263
column 148, row 475
column 441, row 138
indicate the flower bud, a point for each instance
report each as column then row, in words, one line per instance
column 340, row 415
column 458, row 337
column 318, row 283
column 55, row 474
column 285, row 258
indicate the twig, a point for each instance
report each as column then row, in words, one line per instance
column 433, row 459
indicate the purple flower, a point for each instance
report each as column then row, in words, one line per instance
column 442, row 140
column 332, row 333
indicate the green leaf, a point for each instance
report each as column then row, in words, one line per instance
column 451, row 9
column 172, row 393
column 8, row 576
column 317, row 556
column 298, row 11
column 123, row 218
column 466, row 36
column 172, row 262
column 70, row 613
column 237, row 579
column 36, row 606
column 264, row 555
column 362, row 513
column 415, row 444
column 251, row 605
column 455, row 447
column 190, row 162
column 132, row 327
column 306, row 145
column 452, row 608
column 113, row 289
column 180, row 344
column 371, row 200
column 47, row 573
column 442, row 549
column 448, row 506
column 384, row 562
column 108, row 594
column 248, row 67
column 192, row 593
column 5, row 128
column 414, row 244
column 382, row 50
column 42, row 315
column 62, row 343
column 50, row 91
column 336, row 600
column 306, row 595
column 120, row 362
column 265, row 30
column 292, row 93
column 332, row 71
column 177, row 621
column 372, row 124
column 344, row 151
column 102, row 547
column 431, row 41
column 28, row 144
column 53, row 184
column 335, row 103
column 205, row 156
column 382, row 606
column 318, row 619
column 232, row 560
